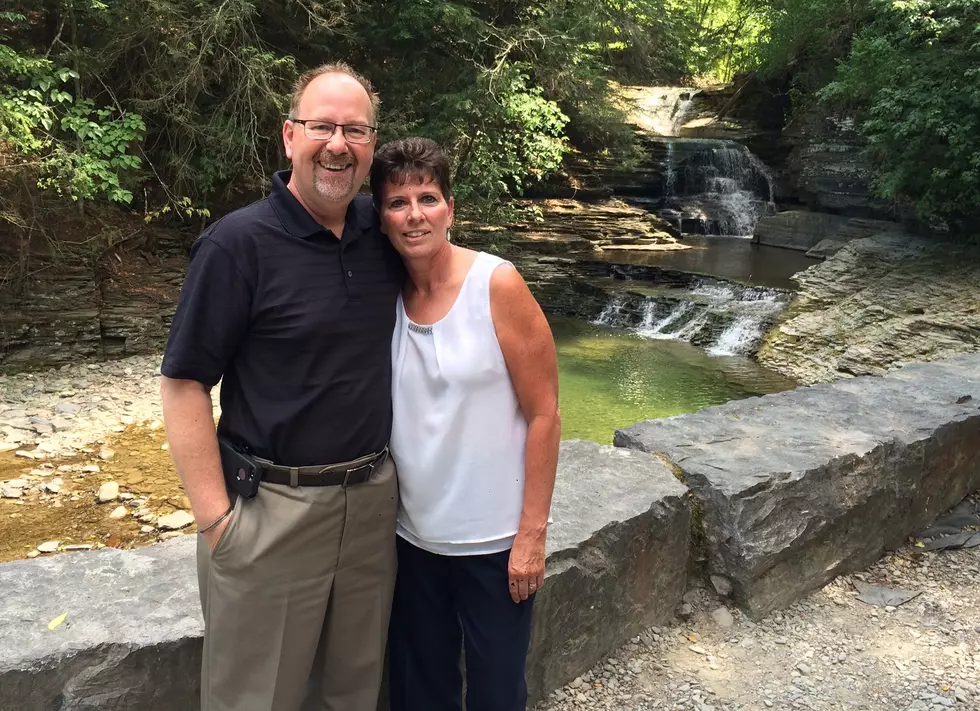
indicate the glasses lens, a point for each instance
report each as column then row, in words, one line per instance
column 357, row 134
column 320, row 130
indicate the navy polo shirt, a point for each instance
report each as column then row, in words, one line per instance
column 296, row 324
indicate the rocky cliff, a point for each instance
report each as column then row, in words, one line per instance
column 119, row 305
column 879, row 303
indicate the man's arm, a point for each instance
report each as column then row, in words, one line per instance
column 208, row 328
column 529, row 351
column 189, row 421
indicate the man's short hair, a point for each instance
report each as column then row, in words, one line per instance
column 304, row 79
column 415, row 159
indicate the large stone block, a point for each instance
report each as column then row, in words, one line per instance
column 131, row 640
column 799, row 487
column 617, row 558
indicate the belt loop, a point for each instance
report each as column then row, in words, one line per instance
column 346, row 478
column 294, row 476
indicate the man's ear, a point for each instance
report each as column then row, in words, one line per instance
column 287, row 137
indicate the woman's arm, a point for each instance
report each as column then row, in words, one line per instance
column 529, row 351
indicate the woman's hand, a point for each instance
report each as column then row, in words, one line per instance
column 526, row 566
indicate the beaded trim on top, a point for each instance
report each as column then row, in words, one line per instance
column 424, row 330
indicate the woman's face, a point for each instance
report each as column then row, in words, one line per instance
column 416, row 217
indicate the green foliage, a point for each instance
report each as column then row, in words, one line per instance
column 79, row 150
column 913, row 80
column 722, row 37
column 506, row 85
column 807, row 39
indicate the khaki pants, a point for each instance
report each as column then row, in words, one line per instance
column 296, row 597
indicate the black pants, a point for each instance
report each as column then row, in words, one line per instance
column 441, row 604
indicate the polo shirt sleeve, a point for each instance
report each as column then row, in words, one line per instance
column 212, row 316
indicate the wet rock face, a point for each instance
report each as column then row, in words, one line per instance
column 828, row 169
column 804, row 230
column 801, row 486
column 876, row 304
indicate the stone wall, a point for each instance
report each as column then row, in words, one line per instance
column 617, row 564
column 799, row 487
column 790, row 491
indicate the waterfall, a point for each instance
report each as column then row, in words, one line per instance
column 667, row 108
column 714, row 187
column 707, row 186
column 722, row 318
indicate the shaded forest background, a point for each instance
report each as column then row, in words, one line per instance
column 122, row 112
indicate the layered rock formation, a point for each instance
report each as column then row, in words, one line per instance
column 879, row 303
column 803, row 230
column 120, row 306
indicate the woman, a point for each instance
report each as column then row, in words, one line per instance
column 475, row 438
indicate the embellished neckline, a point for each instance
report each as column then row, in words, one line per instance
column 424, row 330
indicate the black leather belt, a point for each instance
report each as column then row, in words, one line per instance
column 346, row 474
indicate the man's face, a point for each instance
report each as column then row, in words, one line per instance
column 330, row 172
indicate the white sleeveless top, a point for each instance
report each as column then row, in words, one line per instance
column 458, row 434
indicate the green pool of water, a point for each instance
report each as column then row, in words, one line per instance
column 609, row 378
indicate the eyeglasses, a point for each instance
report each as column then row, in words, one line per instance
column 324, row 130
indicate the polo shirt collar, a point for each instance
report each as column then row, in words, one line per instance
column 300, row 223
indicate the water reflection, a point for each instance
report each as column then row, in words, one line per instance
column 611, row 379
column 728, row 258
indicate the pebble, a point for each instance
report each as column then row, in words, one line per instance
column 118, row 513
column 109, row 491
column 48, row 546
column 174, row 521
column 723, row 618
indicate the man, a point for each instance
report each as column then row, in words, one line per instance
column 291, row 301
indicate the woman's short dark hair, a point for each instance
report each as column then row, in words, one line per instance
column 416, row 159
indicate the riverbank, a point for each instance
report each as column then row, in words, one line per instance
column 878, row 303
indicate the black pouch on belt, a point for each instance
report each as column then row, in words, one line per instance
column 242, row 472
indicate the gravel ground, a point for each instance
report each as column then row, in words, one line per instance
column 61, row 412
column 829, row 651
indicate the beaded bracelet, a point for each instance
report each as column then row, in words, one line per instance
column 218, row 520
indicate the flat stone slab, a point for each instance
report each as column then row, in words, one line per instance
column 798, row 487
column 617, row 560
column 131, row 638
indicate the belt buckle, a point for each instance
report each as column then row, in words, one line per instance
column 349, row 471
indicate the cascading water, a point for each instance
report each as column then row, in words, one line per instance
column 714, row 187
column 722, row 318
column 709, row 186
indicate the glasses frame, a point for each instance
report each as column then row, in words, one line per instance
column 341, row 126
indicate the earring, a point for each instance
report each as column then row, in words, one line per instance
column 449, row 235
